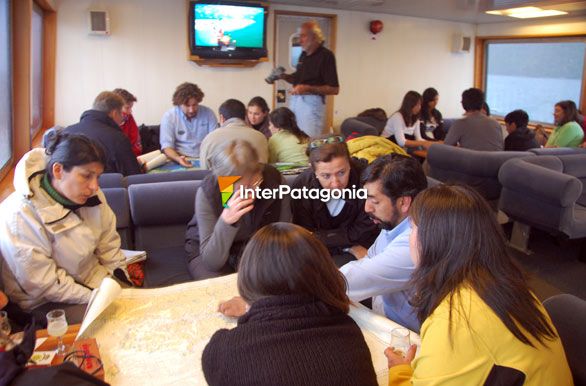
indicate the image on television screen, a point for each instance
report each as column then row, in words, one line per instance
column 228, row 26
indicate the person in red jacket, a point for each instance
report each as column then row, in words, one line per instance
column 128, row 125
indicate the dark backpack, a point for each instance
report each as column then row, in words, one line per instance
column 149, row 138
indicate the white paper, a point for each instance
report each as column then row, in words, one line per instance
column 103, row 297
column 133, row 256
column 148, row 156
column 160, row 160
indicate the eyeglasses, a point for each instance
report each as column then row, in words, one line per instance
column 323, row 141
column 78, row 358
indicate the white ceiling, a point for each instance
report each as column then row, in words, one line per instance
column 469, row 11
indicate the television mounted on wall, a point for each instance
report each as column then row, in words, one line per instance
column 227, row 30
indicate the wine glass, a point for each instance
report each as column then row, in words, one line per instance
column 4, row 330
column 57, row 326
column 400, row 341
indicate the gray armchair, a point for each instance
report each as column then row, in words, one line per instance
column 478, row 169
column 547, row 193
column 568, row 314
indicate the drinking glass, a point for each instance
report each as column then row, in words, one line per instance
column 57, row 326
column 400, row 341
column 4, row 330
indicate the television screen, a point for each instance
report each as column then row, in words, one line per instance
column 227, row 29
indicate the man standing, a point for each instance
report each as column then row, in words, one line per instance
column 392, row 182
column 101, row 124
column 316, row 77
column 184, row 126
column 232, row 127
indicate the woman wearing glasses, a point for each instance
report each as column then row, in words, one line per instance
column 217, row 233
column 341, row 224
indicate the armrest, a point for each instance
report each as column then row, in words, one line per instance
column 551, row 186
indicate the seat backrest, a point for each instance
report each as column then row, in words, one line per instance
column 160, row 212
column 112, row 180
column 117, row 199
column 557, row 151
column 478, row 169
column 547, row 161
column 357, row 128
column 568, row 314
column 183, row 175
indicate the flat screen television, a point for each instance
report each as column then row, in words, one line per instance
column 227, row 30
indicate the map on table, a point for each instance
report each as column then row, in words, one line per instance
column 171, row 166
column 157, row 336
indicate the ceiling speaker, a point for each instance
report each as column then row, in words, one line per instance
column 99, row 22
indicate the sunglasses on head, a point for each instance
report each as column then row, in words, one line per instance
column 324, row 141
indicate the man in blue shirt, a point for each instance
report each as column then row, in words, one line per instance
column 392, row 182
column 184, row 127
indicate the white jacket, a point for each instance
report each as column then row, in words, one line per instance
column 50, row 253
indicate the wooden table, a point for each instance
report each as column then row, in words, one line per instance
column 51, row 343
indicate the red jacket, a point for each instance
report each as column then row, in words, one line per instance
column 130, row 129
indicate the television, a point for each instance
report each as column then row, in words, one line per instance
column 227, row 30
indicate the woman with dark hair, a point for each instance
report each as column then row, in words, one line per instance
column 403, row 126
column 257, row 113
column 297, row 330
column 432, row 125
column 568, row 132
column 219, row 230
column 57, row 233
column 482, row 325
column 288, row 143
column 341, row 224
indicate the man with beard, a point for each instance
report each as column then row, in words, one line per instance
column 392, row 182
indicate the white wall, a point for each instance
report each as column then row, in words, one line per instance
column 534, row 27
column 147, row 54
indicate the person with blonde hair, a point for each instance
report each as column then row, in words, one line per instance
column 217, row 233
column 297, row 330
column 316, row 76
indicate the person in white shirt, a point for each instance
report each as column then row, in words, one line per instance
column 403, row 126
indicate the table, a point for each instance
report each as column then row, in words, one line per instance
column 51, row 343
column 170, row 327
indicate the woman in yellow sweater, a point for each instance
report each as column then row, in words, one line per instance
column 288, row 143
column 481, row 323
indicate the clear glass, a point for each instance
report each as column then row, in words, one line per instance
column 57, row 327
column 400, row 340
column 533, row 76
column 4, row 330
column 5, row 84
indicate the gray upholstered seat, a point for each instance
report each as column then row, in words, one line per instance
column 160, row 213
column 117, row 199
column 568, row 314
column 478, row 169
column 112, row 180
column 546, row 192
column 183, row 175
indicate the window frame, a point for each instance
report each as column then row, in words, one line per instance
column 481, row 58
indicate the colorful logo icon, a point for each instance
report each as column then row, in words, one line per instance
column 226, row 184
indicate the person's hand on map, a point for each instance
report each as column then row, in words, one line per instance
column 235, row 307
column 182, row 160
column 237, row 207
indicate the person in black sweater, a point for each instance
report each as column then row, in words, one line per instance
column 432, row 123
column 341, row 224
column 520, row 138
column 297, row 330
column 101, row 124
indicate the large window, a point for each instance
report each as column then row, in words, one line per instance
column 5, row 85
column 36, row 70
column 533, row 75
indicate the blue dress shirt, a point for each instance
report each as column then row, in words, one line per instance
column 385, row 271
column 183, row 134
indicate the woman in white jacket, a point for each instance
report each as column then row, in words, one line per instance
column 57, row 233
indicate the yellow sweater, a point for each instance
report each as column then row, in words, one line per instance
column 477, row 347
column 370, row 147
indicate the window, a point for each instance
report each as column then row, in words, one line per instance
column 295, row 51
column 533, row 75
column 36, row 70
column 5, row 85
